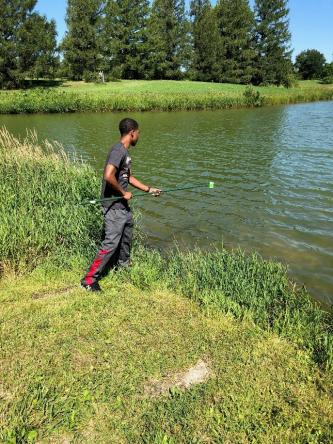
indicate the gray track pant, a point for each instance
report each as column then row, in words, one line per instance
column 116, row 246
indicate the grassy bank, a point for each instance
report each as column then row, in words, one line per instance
column 161, row 95
column 79, row 368
column 75, row 367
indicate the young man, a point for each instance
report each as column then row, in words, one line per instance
column 118, row 221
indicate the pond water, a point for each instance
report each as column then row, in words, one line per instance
column 272, row 168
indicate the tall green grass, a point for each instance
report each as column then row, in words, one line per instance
column 55, row 101
column 39, row 212
column 41, row 217
column 154, row 95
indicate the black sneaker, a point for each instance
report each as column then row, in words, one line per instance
column 93, row 287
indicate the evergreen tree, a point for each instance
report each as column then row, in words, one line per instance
column 82, row 43
column 236, row 24
column 168, row 40
column 26, row 39
column 207, row 47
column 125, row 38
column 310, row 64
column 273, row 42
column 37, row 47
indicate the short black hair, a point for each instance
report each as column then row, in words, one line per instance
column 127, row 125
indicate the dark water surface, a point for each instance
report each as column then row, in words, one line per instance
column 274, row 166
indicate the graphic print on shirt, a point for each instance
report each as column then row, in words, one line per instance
column 126, row 168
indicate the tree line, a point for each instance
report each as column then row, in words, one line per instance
column 140, row 39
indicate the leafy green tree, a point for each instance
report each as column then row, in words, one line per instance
column 125, row 38
column 27, row 43
column 272, row 42
column 328, row 70
column 82, row 43
column 236, row 24
column 207, row 47
column 327, row 73
column 168, row 40
column 310, row 64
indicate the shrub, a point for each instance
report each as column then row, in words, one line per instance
column 253, row 97
column 328, row 80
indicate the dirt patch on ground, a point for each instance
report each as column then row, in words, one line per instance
column 53, row 293
column 197, row 374
column 5, row 395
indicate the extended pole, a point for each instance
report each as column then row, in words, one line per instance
column 211, row 185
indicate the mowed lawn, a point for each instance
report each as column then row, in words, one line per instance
column 80, row 367
column 153, row 87
column 188, row 87
column 180, row 86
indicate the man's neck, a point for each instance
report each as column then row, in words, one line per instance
column 126, row 142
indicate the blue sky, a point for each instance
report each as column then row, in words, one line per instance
column 311, row 23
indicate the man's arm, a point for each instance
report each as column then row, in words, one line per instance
column 141, row 186
column 110, row 176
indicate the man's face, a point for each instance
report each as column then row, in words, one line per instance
column 135, row 135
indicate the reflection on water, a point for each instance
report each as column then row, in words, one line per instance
column 273, row 167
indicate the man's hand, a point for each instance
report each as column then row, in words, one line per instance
column 127, row 196
column 155, row 191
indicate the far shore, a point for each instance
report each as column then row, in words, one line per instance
column 154, row 95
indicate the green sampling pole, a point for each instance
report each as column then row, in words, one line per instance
column 211, row 186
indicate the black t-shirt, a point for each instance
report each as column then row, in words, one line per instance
column 118, row 156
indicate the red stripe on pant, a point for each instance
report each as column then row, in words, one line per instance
column 94, row 267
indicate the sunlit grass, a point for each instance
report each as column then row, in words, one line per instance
column 245, row 286
column 75, row 367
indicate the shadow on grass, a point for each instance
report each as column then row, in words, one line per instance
column 44, row 83
column 51, row 83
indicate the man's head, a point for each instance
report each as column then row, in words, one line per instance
column 129, row 127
